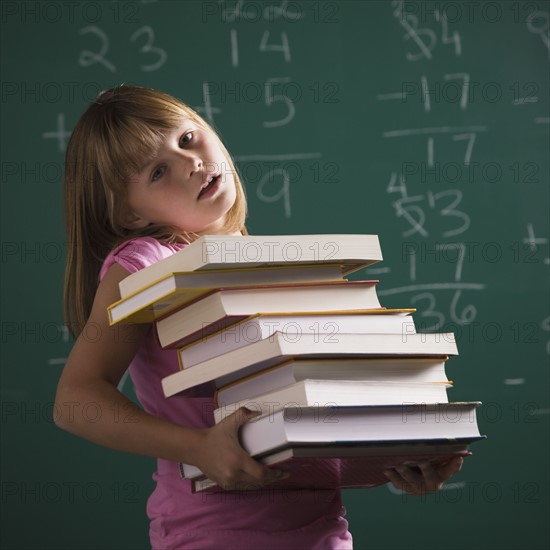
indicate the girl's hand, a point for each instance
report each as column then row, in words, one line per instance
column 425, row 478
column 222, row 459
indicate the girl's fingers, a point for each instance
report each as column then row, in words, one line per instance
column 250, row 473
column 247, row 480
column 452, row 467
column 431, row 476
column 258, row 472
column 399, row 479
column 412, row 480
column 424, row 478
column 395, row 478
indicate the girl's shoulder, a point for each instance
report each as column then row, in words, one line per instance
column 135, row 254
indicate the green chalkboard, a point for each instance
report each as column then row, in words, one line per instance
column 424, row 122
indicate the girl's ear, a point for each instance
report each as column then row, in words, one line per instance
column 130, row 220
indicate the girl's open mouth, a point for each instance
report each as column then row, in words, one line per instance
column 210, row 187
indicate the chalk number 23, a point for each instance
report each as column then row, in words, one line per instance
column 158, row 55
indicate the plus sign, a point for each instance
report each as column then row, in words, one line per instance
column 208, row 111
column 61, row 134
column 531, row 240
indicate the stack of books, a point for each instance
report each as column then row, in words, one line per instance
column 345, row 388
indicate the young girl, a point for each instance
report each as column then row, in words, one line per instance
column 145, row 175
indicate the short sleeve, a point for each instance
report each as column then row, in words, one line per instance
column 138, row 253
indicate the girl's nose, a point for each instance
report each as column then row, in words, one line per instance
column 196, row 166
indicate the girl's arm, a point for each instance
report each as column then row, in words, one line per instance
column 93, row 370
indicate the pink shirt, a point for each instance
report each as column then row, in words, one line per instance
column 298, row 519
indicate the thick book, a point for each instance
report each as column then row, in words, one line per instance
column 352, row 252
column 278, row 348
column 226, row 306
column 319, row 425
column 336, row 393
column 326, row 325
column 342, row 466
column 173, row 291
column 377, row 369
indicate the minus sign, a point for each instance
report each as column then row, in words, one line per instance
column 524, row 100
column 514, row 381
column 378, row 270
column 57, row 361
column 398, row 95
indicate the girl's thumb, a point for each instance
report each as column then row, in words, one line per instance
column 244, row 415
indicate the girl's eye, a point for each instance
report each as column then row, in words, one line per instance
column 186, row 139
column 158, row 173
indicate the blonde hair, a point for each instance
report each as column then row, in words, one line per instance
column 115, row 137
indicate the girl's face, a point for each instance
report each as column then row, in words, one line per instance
column 189, row 184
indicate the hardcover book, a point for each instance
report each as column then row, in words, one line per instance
column 352, row 252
